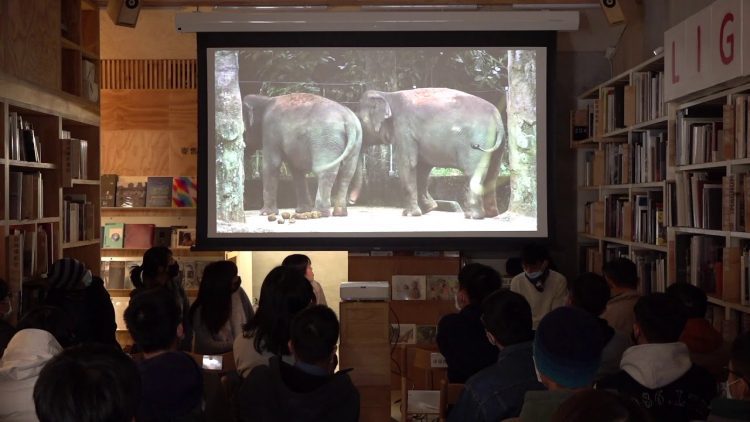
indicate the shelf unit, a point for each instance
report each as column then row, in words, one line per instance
column 79, row 49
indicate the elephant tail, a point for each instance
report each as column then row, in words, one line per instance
column 353, row 131
column 499, row 134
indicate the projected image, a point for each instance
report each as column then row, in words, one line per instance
column 380, row 141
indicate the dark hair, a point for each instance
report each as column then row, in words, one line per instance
column 507, row 316
column 513, row 266
column 314, row 333
column 92, row 383
column 693, row 298
column 298, row 261
column 52, row 319
column 622, row 272
column 479, row 281
column 534, row 253
column 215, row 295
column 152, row 318
column 154, row 258
column 4, row 289
column 590, row 292
column 283, row 294
column 740, row 356
column 601, row 406
column 661, row 317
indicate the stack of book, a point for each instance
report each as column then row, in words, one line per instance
column 26, row 195
column 649, row 156
column 154, row 192
column 649, row 94
column 78, row 218
column 699, row 139
column 29, row 252
column 24, row 144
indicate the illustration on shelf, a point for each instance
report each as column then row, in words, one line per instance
column 408, row 287
column 442, row 287
column 403, row 333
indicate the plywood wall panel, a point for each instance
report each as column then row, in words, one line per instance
column 135, row 109
column 183, row 160
column 183, row 110
column 155, row 37
column 136, row 152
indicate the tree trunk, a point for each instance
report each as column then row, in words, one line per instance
column 522, row 132
column 230, row 146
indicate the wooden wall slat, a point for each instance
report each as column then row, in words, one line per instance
column 149, row 74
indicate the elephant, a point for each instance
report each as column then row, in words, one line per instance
column 437, row 127
column 310, row 134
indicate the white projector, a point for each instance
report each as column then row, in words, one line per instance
column 364, row 290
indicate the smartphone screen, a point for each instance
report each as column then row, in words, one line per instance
column 212, row 362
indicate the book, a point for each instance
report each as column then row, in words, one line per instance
column 185, row 238
column 163, row 236
column 131, row 191
column 426, row 334
column 442, row 287
column 104, row 273
column 14, row 257
column 16, row 194
column 159, row 192
column 114, row 234
column 408, row 287
column 108, row 189
column 116, row 275
column 189, row 276
column 138, row 236
column 403, row 333
column 184, row 192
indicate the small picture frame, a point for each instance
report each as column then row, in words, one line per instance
column 185, row 238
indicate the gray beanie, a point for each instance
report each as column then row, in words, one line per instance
column 66, row 273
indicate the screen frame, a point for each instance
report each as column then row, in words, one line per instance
column 352, row 39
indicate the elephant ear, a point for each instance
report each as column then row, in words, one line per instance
column 380, row 110
column 247, row 114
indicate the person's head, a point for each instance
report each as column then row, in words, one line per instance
column 590, row 292
column 506, row 317
column 601, row 406
column 693, row 298
column 567, row 348
column 215, row 295
column 92, row 383
column 313, row 336
column 68, row 274
column 659, row 318
column 52, row 319
column 301, row 263
column 534, row 260
column 157, row 268
column 475, row 283
column 6, row 305
column 285, row 292
column 621, row 273
column 738, row 379
column 513, row 266
column 153, row 319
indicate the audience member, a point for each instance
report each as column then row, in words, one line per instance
column 622, row 277
column 735, row 405
column 285, row 292
column 91, row 383
column 304, row 264
column 707, row 347
column 544, row 288
column 567, row 354
column 159, row 269
column 172, row 381
column 72, row 287
column 6, row 309
column 309, row 390
column 218, row 312
column 461, row 337
column 496, row 392
column 657, row 371
column 590, row 292
column 42, row 334
column 600, row 406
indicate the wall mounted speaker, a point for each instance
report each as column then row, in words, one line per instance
column 612, row 10
column 124, row 12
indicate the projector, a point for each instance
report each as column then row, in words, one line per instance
column 364, row 290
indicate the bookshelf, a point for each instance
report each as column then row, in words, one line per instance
column 79, row 49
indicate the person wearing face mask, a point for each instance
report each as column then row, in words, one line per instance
column 159, row 269
column 544, row 288
column 72, row 287
column 6, row 309
column 461, row 337
column 735, row 405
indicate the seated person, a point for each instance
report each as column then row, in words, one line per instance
column 496, row 392
column 567, row 354
column 461, row 337
column 543, row 288
column 657, row 371
column 304, row 265
column 172, row 381
column 309, row 390
column 707, row 347
column 735, row 406
column 599, row 406
column 622, row 276
column 590, row 292
column 92, row 382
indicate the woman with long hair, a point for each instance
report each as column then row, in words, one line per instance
column 218, row 313
column 303, row 264
column 285, row 292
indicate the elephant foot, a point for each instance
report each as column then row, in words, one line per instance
column 339, row 212
column 268, row 211
column 303, row 209
column 474, row 215
column 323, row 212
column 414, row 212
column 428, row 206
column 491, row 212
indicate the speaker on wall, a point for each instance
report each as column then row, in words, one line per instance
column 124, row 12
column 612, row 10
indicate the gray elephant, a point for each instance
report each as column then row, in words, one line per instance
column 437, row 127
column 310, row 134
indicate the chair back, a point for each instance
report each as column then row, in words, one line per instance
column 449, row 394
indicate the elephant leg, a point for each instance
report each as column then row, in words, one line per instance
column 347, row 170
column 323, row 197
column 304, row 200
column 474, row 198
column 490, row 188
column 357, row 181
column 426, row 203
column 407, row 163
column 271, row 166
